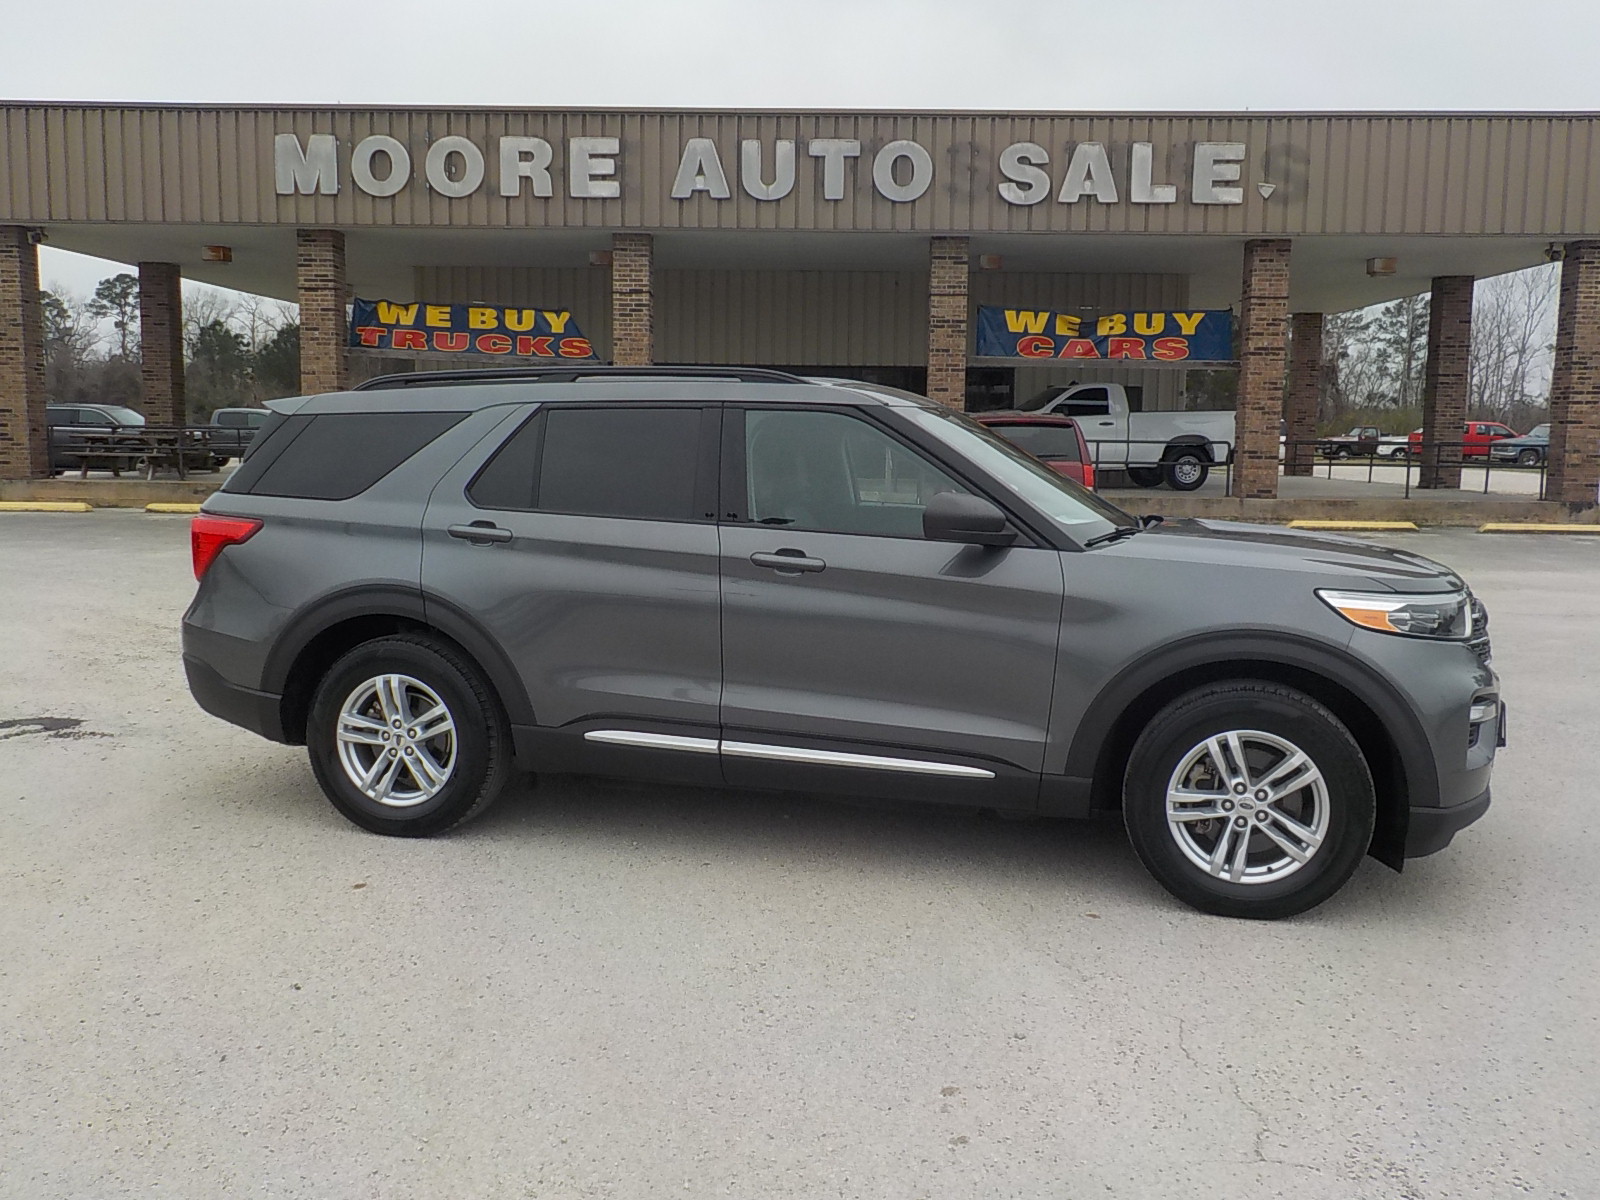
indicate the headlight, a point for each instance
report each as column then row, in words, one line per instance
column 1438, row 615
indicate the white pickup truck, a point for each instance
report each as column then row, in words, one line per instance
column 1178, row 448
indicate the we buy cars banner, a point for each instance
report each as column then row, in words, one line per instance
column 468, row 329
column 1188, row 337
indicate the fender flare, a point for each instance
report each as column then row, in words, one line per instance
column 1093, row 735
column 388, row 600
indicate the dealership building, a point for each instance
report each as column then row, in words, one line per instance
column 864, row 244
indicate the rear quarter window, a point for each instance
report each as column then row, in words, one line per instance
column 334, row 456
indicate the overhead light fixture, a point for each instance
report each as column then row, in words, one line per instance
column 990, row 262
column 1382, row 266
column 218, row 254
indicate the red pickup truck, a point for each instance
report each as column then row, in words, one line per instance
column 1055, row 441
column 1476, row 436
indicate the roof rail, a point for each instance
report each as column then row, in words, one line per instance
column 570, row 374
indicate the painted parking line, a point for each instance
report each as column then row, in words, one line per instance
column 1530, row 527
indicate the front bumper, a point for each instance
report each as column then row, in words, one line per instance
column 1429, row 830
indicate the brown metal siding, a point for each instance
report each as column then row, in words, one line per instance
column 1533, row 175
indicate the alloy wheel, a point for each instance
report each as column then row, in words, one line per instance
column 396, row 740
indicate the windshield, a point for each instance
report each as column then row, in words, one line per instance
column 1539, row 431
column 1037, row 401
column 1079, row 512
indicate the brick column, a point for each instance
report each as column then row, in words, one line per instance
column 1263, row 354
column 1444, row 380
column 632, row 299
column 1305, row 390
column 161, row 342
column 947, row 321
column 24, row 451
column 323, row 294
column 1575, row 380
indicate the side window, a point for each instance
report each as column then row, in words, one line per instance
column 93, row 416
column 228, row 419
column 335, row 456
column 1091, row 402
column 625, row 461
column 507, row 482
column 835, row 473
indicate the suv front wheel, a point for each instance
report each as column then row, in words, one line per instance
column 1249, row 799
column 406, row 738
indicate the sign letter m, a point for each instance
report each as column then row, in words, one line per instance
column 308, row 171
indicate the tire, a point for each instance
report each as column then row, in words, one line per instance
column 1185, row 470
column 473, row 755
column 1145, row 477
column 1527, row 458
column 1335, row 811
column 1400, row 452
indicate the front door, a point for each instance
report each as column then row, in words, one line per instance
column 876, row 660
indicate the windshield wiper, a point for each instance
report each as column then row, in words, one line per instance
column 1115, row 535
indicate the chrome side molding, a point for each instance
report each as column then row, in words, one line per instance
column 794, row 754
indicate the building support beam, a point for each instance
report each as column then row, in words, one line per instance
column 24, row 448
column 948, row 259
column 1575, row 381
column 632, row 299
column 1263, row 357
column 161, row 343
column 1444, row 380
column 323, row 294
column 1305, row 391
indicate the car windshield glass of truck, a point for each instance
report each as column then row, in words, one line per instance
column 1079, row 512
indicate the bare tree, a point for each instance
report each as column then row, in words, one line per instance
column 1513, row 325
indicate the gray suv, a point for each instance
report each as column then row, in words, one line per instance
column 736, row 577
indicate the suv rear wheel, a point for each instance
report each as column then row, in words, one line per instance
column 1249, row 799
column 406, row 738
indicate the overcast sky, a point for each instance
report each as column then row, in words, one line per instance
column 753, row 54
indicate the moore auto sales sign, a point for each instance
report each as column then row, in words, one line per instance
column 900, row 171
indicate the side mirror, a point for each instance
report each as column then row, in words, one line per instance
column 958, row 517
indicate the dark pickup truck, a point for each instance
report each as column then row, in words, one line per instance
column 1360, row 442
column 232, row 430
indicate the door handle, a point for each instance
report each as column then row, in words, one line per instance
column 788, row 562
column 1105, row 422
column 480, row 533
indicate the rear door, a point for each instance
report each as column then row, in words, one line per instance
column 858, row 656
column 586, row 547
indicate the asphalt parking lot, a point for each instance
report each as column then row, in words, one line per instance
column 212, row 985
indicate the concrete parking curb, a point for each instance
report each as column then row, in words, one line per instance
column 172, row 508
column 1358, row 526
column 1530, row 527
column 45, row 506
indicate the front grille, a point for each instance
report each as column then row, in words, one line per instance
column 1479, row 641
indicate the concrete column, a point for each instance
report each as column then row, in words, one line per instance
column 24, row 450
column 1575, row 380
column 323, row 294
column 632, row 299
column 1444, row 381
column 947, row 320
column 1263, row 355
column 161, row 342
column 1305, row 390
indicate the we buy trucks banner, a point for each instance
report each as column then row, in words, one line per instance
column 1163, row 337
column 467, row 329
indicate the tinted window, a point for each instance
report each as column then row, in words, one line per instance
column 619, row 462
column 93, row 416
column 229, row 418
column 507, row 481
column 1091, row 402
column 338, row 455
column 1042, row 441
column 837, row 473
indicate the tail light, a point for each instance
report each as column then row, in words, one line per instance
column 210, row 535
column 1088, row 475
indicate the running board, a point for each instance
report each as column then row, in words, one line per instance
column 793, row 754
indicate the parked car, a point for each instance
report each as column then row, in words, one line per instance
column 1055, row 441
column 72, row 428
column 232, row 430
column 1476, row 437
column 1178, row 448
column 734, row 577
column 1527, row 450
column 1362, row 442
